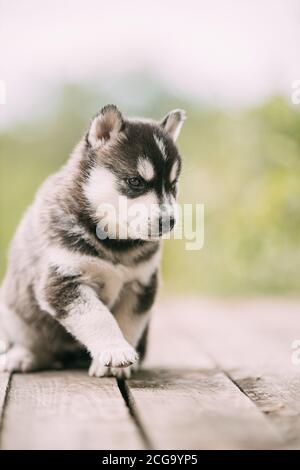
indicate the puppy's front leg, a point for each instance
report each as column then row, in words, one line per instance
column 132, row 312
column 77, row 307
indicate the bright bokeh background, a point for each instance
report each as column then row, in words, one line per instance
column 230, row 64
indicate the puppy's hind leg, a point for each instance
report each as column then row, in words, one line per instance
column 14, row 335
column 18, row 359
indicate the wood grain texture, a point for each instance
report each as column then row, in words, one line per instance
column 170, row 345
column 278, row 397
column 199, row 410
column 251, row 341
column 218, row 375
column 66, row 410
column 257, row 357
column 254, row 334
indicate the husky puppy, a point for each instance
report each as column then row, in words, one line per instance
column 68, row 287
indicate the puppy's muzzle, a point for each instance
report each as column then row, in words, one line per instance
column 165, row 224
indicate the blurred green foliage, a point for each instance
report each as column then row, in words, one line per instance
column 243, row 165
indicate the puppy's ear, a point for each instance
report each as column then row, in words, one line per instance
column 173, row 122
column 105, row 126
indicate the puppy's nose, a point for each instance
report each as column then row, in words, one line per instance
column 166, row 223
column 172, row 222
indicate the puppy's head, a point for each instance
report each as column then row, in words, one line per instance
column 134, row 167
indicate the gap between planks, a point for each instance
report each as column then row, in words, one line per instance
column 251, row 342
column 133, row 410
column 66, row 410
column 190, row 402
column 152, row 397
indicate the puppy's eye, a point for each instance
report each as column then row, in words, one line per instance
column 135, row 182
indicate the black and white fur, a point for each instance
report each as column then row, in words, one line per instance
column 67, row 290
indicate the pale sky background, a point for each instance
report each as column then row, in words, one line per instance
column 227, row 52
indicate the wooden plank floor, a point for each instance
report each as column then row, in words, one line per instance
column 218, row 375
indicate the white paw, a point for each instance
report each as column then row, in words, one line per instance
column 97, row 370
column 18, row 359
column 119, row 356
column 122, row 372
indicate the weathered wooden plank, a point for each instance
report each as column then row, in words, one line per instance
column 266, row 373
column 193, row 404
column 278, row 396
column 66, row 410
column 170, row 346
column 240, row 334
column 252, row 342
column 257, row 333
column 198, row 410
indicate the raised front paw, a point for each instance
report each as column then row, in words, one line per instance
column 117, row 356
column 122, row 372
column 97, row 370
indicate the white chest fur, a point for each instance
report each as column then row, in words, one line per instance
column 106, row 278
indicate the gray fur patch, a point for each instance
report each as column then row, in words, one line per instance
column 61, row 291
